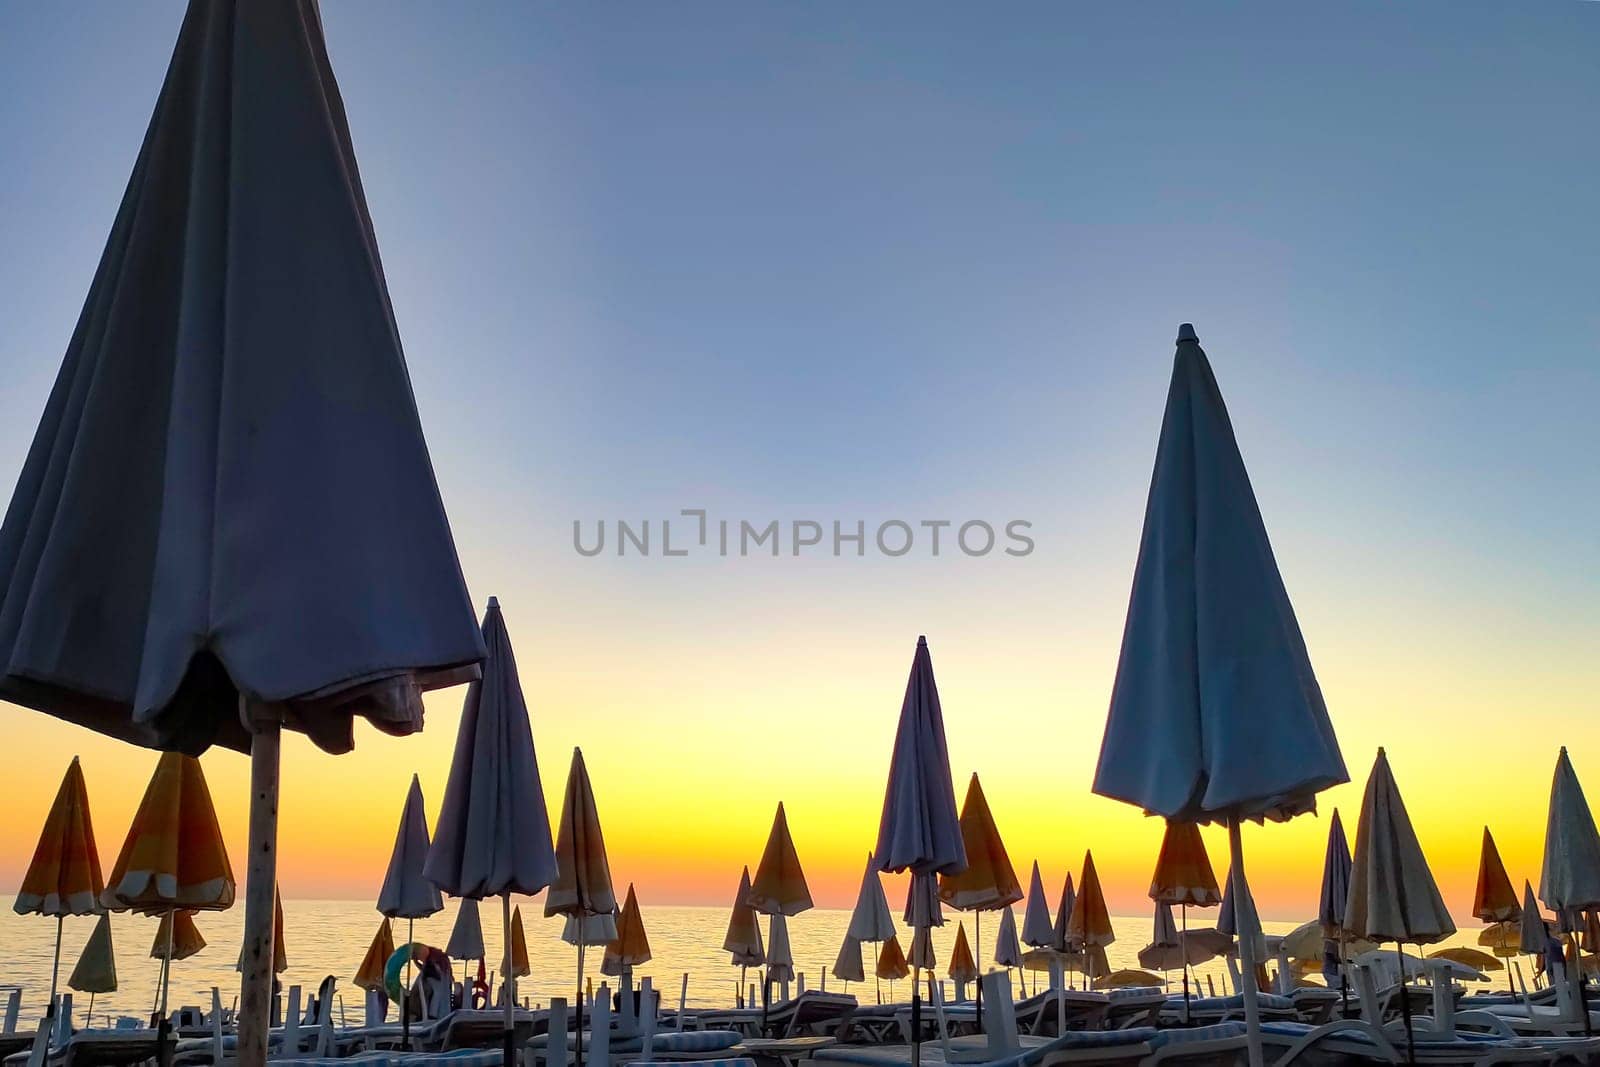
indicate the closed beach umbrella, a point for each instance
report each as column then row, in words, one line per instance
column 582, row 888
column 919, row 830
column 743, row 939
column 779, row 887
column 369, row 975
column 1061, row 939
column 1569, row 880
column 1163, row 930
column 1330, row 906
column 892, row 964
column 780, row 958
column 177, row 933
column 847, row 965
column 589, row 930
column 963, row 968
column 1007, row 949
column 1533, row 932
column 1037, row 929
column 492, row 838
column 1089, row 925
column 514, row 960
column 1503, row 939
column 280, row 950
column 871, row 920
column 1238, row 917
column 1494, row 900
column 1183, row 876
column 921, row 952
column 407, row 893
column 630, row 947
column 96, row 971
column 989, row 882
column 228, row 504
column 1211, row 652
column 466, row 936
column 64, row 876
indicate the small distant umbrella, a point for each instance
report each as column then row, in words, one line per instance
column 174, row 857
column 1393, row 896
column 96, row 971
column 1037, row 929
column 780, row 959
column 583, row 874
column 1007, row 948
column 743, row 939
column 1330, row 906
column 280, row 950
column 64, row 876
column 466, row 936
column 1164, row 937
column 1532, row 930
column 1569, row 880
column 871, row 922
column 847, row 966
column 178, row 933
column 1193, row 948
column 1183, row 876
column 1469, row 957
column 514, row 960
column 1494, row 900
column 630, row 948
column 407, row 892
column 1061, row 941
column 590, row 931
column 1503, row 939
column 892, row 964
column 1308, row 941
column 779, row 887
column 1128, row 979
column 369, row 975
column 1089, row 925
column 989, row 882
column 920, row 955
column 1238, row 918
column 963, row 968
column 919, row 829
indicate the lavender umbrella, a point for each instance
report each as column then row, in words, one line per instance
column 919, row 829
column 228, row 520
column 1211, row 652
column 493, row 835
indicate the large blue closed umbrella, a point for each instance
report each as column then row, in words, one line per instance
column 1215, row 715
column 228, row 520
column 493, row 834
column 919, row 830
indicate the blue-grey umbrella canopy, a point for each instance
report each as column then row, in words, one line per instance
column 1570, row 878
column 466, row 936
column 229, row 490
column 1212, row 656
column 919, row 829
column 493, row 833
column 406, row 892
column 1335, row 879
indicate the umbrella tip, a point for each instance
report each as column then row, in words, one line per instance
column 922, row 639
column 494, row 602
column 1186, row 332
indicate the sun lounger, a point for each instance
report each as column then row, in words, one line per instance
column 812, row 1012
column 457, row 1058
column 1207, row 1010
column 1043, row 1013
column 1134, row 1007
column 1073, row 1047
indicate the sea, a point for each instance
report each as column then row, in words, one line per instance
column 330, row 937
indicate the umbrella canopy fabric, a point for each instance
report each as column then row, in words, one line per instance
column 466, row 936
column 780, row 959
column 870, row 920
column 1190, row 949
column 1090, row 921
column 1007, row 949
column 743, row 938
column 1163, row 930
column 963, row 968
column 1503, row 939
column 514, row 960
column 1183, row 872
column 1061, row 933
column 589, row 929
column 407, row 893
column 493, row 833
column 1393, row 896
column 280, row 951
column 1129, row 979
column 847, row 966
column 1570, row 877
column 630, row 948
column 186, row 937
column 1494, row 900
column 1469, row 957
column 96, row 971
column 1307, row 941
column 1534, row 932
column 892, row 963
column 1238, row 917
column 369, row 975
column 1037, row 929
column 583, row 874
column 1211, row 651
column 779, row 887
column 235, row 380
column 919, row 829
column 174, row 856
column 64, row 876
column 921, row 954
column 989, row 882
column 922, row 902
column 1335, row 879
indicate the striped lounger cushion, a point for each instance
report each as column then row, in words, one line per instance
column 686, row 1041
column 468, row 1057
column 1179, row 1035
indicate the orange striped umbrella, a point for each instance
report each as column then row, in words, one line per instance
column 780, row 885
column 174, row 857
column 632, row 947
column 369, row 975
column 185, row 936
column 1494, row 901
column 892, row 961
column 1183, row 870
column 517, row 965
column 989, row 882
column 963, row 968
column 64, row 877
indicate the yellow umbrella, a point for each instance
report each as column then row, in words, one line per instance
column 1469, row 957
column 1127, row 979
column 1090, row 923
column 963, row 968
column 96, row 971
column 779, row 887
column 1183, row 872
column 892, row 961
column 369, row 975
column 517, row 965
column 632, row 947
column 989, row 882
column 177, row 934
column 1494, row 900
column 280, row 952
column 64, row 877
column 583, row 874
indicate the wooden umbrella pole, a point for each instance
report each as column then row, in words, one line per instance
column 55, row 968
column 1247, row 948
column 977, row 935
column 511, row 989
column 261, row 876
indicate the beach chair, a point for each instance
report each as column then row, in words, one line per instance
column 811, row 1012
column 1054, row 1011
column 1134, row 1007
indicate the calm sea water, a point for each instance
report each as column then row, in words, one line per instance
column 330, row 936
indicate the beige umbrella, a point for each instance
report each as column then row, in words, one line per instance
column 630, row 947
column 743, row 939
column 1569, row 881
column 96, row 971
column 779, row 887
column 583, row 875
column 847, row 967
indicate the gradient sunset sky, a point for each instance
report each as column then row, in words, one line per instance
column 924, row 261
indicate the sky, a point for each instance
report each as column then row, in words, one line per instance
column 923, row 262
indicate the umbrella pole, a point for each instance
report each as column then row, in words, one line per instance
column 1344, row 980
column 163, row 1049
column 977, row 935
column 1183, row 910
column 877, row 982
column 1583, row 985
column 916, row 1018
column 578, row 1060
column 55, row 968
column 405, row 994
column 255, row 997
column 505, row 927
column 1247, row 949
column 1405, row 1005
